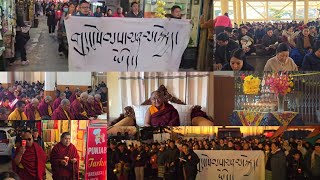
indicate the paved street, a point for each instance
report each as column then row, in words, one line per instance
column 42, row 51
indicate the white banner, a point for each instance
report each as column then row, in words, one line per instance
column 161, row 137
column 126, row 44
column 230, row 165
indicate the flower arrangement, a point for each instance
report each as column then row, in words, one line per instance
column 251, row 84
column 280, row 83
column 160, row 12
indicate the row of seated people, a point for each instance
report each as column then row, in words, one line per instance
column 230, row 56
column 19, row 105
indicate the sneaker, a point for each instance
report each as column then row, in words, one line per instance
column 61, row 53
column 11, row 64
column 24, row 63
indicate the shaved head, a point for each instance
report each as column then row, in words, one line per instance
column 65, row 102
column 84, row 96
column 34, row 101
column 90, row 99
column 62, row 95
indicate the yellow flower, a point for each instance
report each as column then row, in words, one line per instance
column 291, row 84
column 288, row 90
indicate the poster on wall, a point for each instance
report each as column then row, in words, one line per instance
column 230, row 165
column 96, row 154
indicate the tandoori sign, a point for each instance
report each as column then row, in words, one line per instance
column 126, row 44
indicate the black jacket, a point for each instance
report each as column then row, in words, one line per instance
column 190, row 166
column 223, row 53
column 300, row 42
column 132, row 15
column 311, row 62
column 267, row 40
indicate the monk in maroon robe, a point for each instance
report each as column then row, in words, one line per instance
column 89, row 107
column 74, row 95
column 32, row 111
column 62, row 112
column 57, row 101
column 98, row 104
column 64, row 159
column 29, row 161
column 10, row 94
column 77, row 108
column 45, row 108
column 161, row 113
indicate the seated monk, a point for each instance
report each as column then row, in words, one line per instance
column 77, row 107
column 64, row 159
column 18, row 113
column 45, row 108
column 75, row 95
column 98, row 104
column 89, row 107
column 32, row 111
column 29, row 160
column 57, row 101
column 63, row 111
column 161, row 113
column 22, row 97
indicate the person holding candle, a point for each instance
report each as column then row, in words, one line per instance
column 29, row 159
column 51, row 21
column 64, row 159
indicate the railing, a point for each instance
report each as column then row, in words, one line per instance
column 305, row 97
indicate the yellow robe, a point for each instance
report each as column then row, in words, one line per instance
column 15, row 115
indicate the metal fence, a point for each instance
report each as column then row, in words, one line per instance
column 305, row 97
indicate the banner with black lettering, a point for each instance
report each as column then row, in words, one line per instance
column 126, row 44
column 230, row 165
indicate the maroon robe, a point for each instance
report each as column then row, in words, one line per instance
column 89, row 108
column 33, row 161
column 58, row 114
column 98, row 109
column 167, row 117
column 43, row 108
column 56, row 103
column 73, row 97
column 29, row 111
column 76, row 108
column 11, row 96
column 60, row 171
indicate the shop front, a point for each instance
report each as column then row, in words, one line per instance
column 7, row 35
column 52, row 129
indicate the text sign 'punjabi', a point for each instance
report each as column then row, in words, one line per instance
column 96, row 154
column 230, row 165
column 126, row 44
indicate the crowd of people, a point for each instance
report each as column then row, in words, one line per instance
column 29, row 157
column 291, row 159
column 25, row 101
column 294, row 45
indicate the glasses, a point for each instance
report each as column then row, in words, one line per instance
column 85, row 7
column 317, row 144
column 28, row 139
